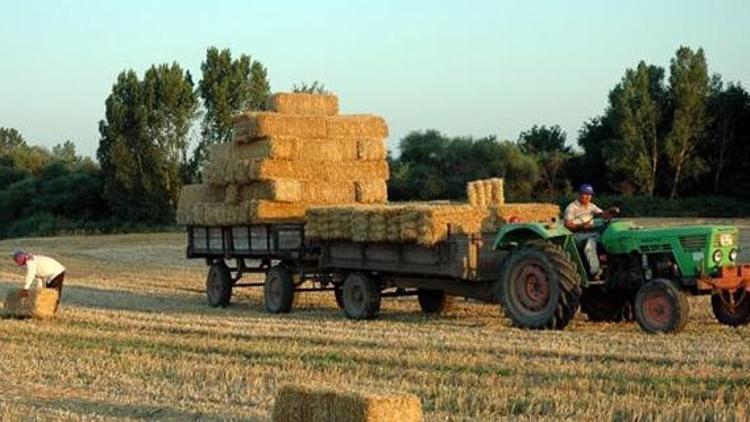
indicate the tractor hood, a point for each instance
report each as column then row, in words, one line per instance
column 699, row 249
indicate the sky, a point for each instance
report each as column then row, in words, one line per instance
column 472, row 68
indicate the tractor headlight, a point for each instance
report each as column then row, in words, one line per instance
column 733, row 255
column 717, row 256
column 726, row 239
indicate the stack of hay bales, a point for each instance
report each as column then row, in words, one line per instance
column 486, row 193
column 40, row 304
column 299, row 154
column 424, row 223
column 300, row 403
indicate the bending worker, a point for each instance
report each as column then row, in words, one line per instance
column 579, row 217
column 41, row 269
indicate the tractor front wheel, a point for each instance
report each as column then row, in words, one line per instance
column 539, row 287
column 660, row 307
column 732, row 309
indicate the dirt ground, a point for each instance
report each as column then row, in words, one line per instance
column 136, row 340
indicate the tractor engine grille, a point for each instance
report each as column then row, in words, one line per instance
column 693, row 243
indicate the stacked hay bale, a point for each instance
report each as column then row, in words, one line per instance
column 424, row 223
column 301, row 403
column 299, row 154
column 40, row 304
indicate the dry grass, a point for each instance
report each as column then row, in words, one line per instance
column 135, row 340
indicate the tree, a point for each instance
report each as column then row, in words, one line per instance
column 227, row 87
column 689, row 90
column 314, row 88
column 547, row 146
column 143, row 142
column 10, row 139
column 729, row 107
column 595, row 138
column 636, row 105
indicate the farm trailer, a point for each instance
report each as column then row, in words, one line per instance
column 358, row 273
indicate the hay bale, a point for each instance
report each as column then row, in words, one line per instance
column 246, row 171
column 303, row 403
column 40, row 304
column 310, row 149
column 356, row 127
column 246, row 212
column 308, row 104
column 485, row 193
column 373, row 191
column 252, row 125
column 499, row 215
column 196, row 194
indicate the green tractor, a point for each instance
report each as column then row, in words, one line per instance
column 646, row 274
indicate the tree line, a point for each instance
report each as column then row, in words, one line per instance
column 685, row 133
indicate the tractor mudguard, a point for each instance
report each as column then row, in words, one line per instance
column 515, row 234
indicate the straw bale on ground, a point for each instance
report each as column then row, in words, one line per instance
column 41, row 304
column 300, row 103
column 303, row 403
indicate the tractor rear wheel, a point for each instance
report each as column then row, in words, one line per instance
column 732, row 309
column 602, row 305
column 539, row 286
column 278, row 290
column 219, row 285
column 434, row 301
column 361, row 296
column 660, row 307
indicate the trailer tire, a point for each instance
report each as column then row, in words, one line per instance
column 219, row 285
column 660, row 307
column 539, row 286
column 736, row 315
column 338, row 292
column 278, row 290
column 434, row 302
column 361, row 296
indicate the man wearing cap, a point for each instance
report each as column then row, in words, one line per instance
column 579, row 217
column 41, row 269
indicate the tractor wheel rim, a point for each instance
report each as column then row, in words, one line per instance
column 657, row 309
column 532, row 287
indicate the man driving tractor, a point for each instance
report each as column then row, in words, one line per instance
column 579, row 217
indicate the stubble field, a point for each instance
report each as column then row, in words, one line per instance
column 136, row 340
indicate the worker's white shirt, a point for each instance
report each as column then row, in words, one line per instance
column 42, row 269
column 578, row 214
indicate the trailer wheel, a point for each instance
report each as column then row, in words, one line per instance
column 361, row 296
column 731, row 309
column 660, row 307
column 539, row 286
column 338, row 292
column 219, row 285
column 434, row 301
column 278, row 290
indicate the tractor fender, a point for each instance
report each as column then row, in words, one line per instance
column 511, row 235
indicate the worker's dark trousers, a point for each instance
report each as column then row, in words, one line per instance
column 57, row 284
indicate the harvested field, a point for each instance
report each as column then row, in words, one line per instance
column 135, row 340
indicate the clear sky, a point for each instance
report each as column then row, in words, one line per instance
column 465, row 68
